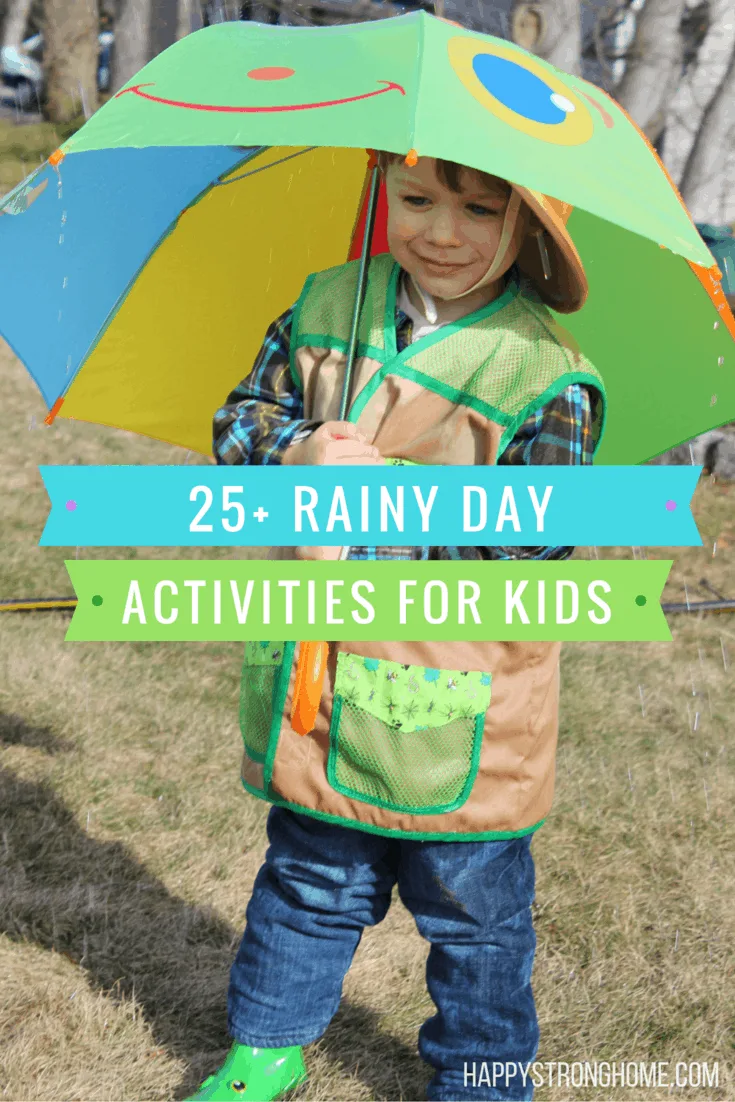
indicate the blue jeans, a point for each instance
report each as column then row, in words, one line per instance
column 321, row 884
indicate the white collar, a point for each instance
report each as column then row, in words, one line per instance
column 429, row 315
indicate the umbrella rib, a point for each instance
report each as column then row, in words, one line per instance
column 223, row 183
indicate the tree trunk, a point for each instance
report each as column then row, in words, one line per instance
column 707, row 168
column 164, row 21
column 552, row 29
column 16, row 20
column 654, row 66
column 70, row 58
column 132, row 41
column 189, row 18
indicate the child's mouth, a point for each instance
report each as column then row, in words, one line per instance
column 441, row 269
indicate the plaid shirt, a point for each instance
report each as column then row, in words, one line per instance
column 264, row 414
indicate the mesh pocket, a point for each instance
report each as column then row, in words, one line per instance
column 426, row 770
column 256, row 709
column 261, row 668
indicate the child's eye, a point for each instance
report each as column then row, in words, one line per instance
column 415, row 200
column 477, row 209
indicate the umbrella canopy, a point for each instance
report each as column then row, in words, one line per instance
column 144, row 262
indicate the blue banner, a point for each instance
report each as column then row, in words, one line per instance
column 220, row 506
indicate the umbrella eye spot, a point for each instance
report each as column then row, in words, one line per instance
column 521, row 91
column 271, row 72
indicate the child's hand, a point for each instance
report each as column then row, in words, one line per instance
column 333, row 442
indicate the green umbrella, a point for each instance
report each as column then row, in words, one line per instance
column 234, row 164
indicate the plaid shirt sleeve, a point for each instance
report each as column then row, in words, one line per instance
column 559, row 433
column 264, row 413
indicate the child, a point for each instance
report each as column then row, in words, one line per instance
column 416, row 745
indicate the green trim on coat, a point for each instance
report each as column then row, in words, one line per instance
column 417, row 835
column 280, row 689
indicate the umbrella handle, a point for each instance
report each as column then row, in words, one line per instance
column 311, row 667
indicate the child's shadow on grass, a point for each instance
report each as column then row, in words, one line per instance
column 96, row 904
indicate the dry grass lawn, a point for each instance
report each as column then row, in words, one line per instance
column 128, row 847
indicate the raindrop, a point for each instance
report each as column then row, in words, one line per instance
column 640, row 690
column 724, row 655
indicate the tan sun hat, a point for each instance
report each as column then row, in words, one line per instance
column 565, row 289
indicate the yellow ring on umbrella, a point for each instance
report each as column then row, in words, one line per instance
column 576, row 129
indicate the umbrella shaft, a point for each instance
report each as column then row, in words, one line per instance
column 361, row 282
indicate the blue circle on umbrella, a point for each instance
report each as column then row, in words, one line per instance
column 518, row 89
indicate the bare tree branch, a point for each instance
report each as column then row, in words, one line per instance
column 712, row 148
column 654, row 65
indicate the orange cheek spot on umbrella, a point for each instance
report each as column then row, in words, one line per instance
column 606, row 117
column 271, row 72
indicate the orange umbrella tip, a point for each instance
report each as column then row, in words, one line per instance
column 49, row 418
column 411, row 158
column 56, row 158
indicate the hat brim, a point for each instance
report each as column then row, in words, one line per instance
column 566, row 289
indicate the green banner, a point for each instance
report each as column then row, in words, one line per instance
column 194, row 599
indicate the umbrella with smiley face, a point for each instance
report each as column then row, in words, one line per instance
column 144, row 261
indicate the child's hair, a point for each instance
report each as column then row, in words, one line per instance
column 448, row 172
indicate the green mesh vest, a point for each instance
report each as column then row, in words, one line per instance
column 427, row 740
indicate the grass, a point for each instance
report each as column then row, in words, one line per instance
column 128, row 848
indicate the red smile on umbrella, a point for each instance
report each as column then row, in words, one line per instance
column 261, row 74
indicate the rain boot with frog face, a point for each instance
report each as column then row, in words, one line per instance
column 254, row 1074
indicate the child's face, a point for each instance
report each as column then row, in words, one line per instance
column 429, row 225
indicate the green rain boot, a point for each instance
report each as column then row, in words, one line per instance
column 255, row 1074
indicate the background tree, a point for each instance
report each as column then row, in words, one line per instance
column 70, row 58
column 132, row 41
column 163, row 25
column 550, row 28
column 15, row 22
column 655, row 62
column 704, row 185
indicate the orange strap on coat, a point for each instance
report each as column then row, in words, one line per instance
column 311, row 669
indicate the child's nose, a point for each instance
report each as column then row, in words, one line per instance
column 443, row 228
